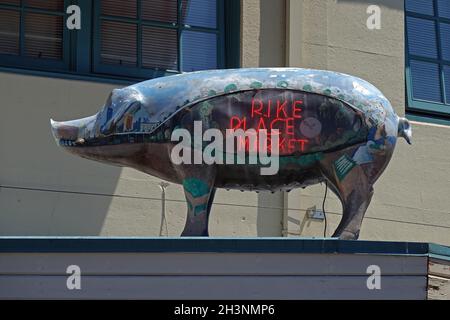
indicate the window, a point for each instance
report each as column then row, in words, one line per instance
column 132, row 39
column 428, row 55
column 32, row 34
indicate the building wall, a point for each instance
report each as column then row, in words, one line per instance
column 410, row 200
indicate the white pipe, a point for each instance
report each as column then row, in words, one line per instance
column 163, row 185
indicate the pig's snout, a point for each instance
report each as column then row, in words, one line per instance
column 66, row 134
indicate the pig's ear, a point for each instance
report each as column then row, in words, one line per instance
column 113, row 96
column 109, row 99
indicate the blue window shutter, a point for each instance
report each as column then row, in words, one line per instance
column 446, row 71
column 445, row 40
column 444, row 8
column 425, row 81
column 428, row 55
column 421, row 37
column 200, row 13
column 199, row 50
column 420, row 6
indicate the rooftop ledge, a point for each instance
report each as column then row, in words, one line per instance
column 193, row 244
column 237, row 268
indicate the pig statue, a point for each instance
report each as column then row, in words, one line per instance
column 256, row 129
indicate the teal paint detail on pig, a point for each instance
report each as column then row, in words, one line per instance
column 196, row 187
column 304, row 161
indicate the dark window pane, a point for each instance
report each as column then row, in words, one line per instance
column 199, row 51
column 119, row 8
column 447, row 83
column 9, row 31
column 159, row 48
column 57, row 5
column 43, row 36
column 421, row 37
column 445, row 40
column 420, row 6
column 425, row 81
column 444, row 8
column 201, row 13
column 118, row 43
column 159, row 10
column 13, row 2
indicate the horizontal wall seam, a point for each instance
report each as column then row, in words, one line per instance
column 216, row 203
column 351, row 49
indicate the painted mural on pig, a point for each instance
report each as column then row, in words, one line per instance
column 311, row 126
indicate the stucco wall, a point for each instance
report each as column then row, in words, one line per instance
column 263, row 27
column 410, row 200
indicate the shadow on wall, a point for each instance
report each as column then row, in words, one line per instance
column 393, row 4
column 271, row 54
column 269, row 221
column 272, row 33
column 44, row 190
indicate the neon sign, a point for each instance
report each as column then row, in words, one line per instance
column 270, row 114
column 305, row 122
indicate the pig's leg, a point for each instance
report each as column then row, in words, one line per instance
column 354, row 206
column 354, row 190
column 199, row 193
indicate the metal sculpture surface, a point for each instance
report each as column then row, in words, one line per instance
column 327, row 126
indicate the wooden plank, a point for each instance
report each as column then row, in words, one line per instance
column 209, row 264
column 212, row 287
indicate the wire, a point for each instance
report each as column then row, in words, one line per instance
column 9, row 187
column 323, row 209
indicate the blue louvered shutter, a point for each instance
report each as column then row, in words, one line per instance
column 428, row 49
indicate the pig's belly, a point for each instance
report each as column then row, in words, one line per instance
column 248, row 177
column 154, row 159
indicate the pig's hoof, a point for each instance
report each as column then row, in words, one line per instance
column 348, row 235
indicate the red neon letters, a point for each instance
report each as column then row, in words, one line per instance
column 284, row 115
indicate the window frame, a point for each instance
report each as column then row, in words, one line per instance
column 421, row 105
column 79, row 46
column 26, row 62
